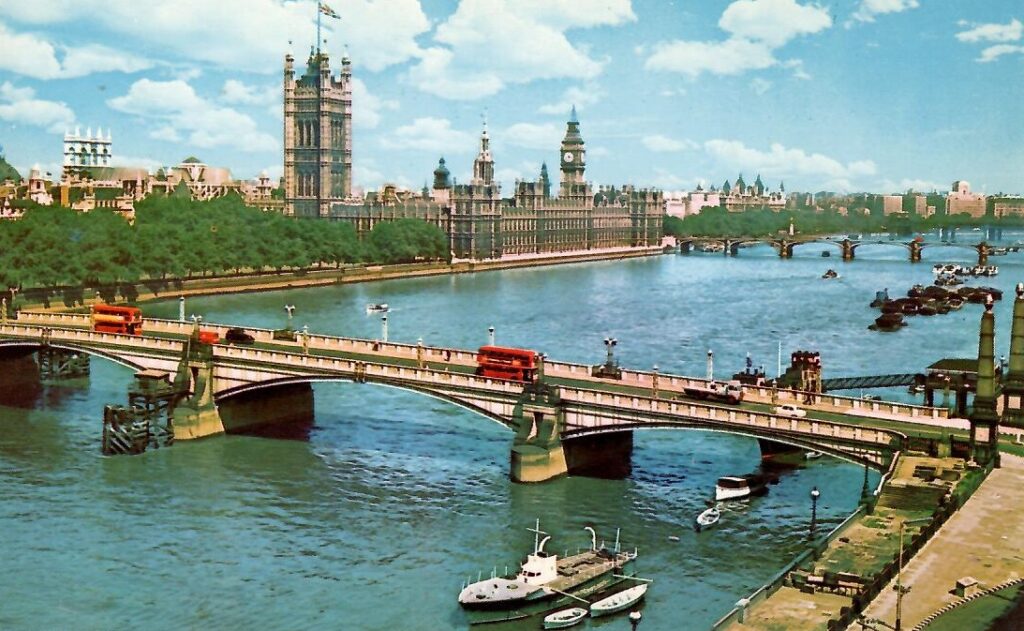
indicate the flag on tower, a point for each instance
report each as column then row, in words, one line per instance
column 328, row 11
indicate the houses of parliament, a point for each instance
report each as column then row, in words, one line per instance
column 479, row 222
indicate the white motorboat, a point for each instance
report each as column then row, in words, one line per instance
column 811, row 455
column 619, row 601
column 565, row 618
column 707, row 519
column 381, row 307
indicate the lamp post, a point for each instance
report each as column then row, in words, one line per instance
column 654, row 381
column 181, row 308
column 711, row 365
column 815, row 494
column 490, row 336
column 900, row 589
column 609, row 343
column 290, row 310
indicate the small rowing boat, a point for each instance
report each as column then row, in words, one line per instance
column 619, row 601
column 565, row 618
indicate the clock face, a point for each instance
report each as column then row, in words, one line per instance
column 568, row 156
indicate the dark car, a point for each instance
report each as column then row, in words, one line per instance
column 238, row 336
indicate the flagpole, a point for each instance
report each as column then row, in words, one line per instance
column 318, row 12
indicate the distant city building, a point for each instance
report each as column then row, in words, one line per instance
column 86, row 150
column 1006, row 206
column 892, row 204
column 317, row 135
column 38, row 188
column 481, row 224
column 739, row 196
column 698, row 199
column 962, row 200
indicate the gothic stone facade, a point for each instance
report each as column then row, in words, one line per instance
column 483, row 225
column 317, row 136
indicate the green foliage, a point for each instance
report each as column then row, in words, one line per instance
column 7, row 172
column 407, row 240
column 175, row 237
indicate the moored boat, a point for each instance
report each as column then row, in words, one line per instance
column 565, row 618
column 381, row 307
column 619, row 601
column 888, row 322
column 545, row 582
column 707, row 519
column 733, row 487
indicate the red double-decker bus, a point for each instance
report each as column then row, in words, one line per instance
column 114, row 319
column 514, row 364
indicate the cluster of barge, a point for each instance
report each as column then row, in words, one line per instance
column 926, row 301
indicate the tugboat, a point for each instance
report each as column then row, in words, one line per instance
column 545, row 582
column 888, row 322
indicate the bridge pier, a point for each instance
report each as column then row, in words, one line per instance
column 56, row 363
column 196, row 416
column 785, row 250
column 915, row 251
column 848, row 250
column 982, row 249
column 537, row 452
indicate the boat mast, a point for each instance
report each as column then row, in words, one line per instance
column 536, row 536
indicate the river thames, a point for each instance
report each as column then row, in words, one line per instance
column 394, row 499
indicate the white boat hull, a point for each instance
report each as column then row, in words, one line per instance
column 619, row 601
column 565, row 619
column 730, row 494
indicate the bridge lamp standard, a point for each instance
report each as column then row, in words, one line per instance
column 815, row 494
column 490, row 336
column 654, row 381
column 711, row 365
column 610, row 343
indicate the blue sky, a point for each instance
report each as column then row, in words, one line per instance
column 878, row 95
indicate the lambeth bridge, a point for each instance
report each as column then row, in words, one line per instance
column 575, row 418
column 730, row 246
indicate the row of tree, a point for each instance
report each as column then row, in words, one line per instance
column 172, row 237
column 719, row 222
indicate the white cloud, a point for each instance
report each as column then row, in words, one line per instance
column 667, row 180
column 731, row 57
column 911, row 184
column 780, row 161
column 179, row 109
column 598, row 152
column 868, row 9
column 993, row 32
column 29, row 55
column 20, row 105
column 756, row 29
column 365, row 176
column 366, row 107
column 574, row 96
column 995, row 52
column 660, row 143
column 430, row 134
column 544, row 136
column 760, row 86
column 487, row 44
column 166, row 132
column 380, row 33
column 773, row 22
column 234, row 91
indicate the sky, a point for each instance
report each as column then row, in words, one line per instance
column 849, row 95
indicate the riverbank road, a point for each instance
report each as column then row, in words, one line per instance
column 984, row 540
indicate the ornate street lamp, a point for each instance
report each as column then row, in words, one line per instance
column 815, row 494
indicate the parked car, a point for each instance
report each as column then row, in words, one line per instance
column 239, row 336
column 788, row 409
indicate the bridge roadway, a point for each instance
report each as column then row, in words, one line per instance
column 583, row 405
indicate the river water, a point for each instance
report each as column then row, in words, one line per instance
column 376, row 519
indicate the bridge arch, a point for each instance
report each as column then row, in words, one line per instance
column 67, row 346
column 440, row 396
column 810, row 445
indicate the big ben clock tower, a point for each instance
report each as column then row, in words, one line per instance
column 574, row 156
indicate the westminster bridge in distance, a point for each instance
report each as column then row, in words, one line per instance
column 571, row 420
column 785, row 245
